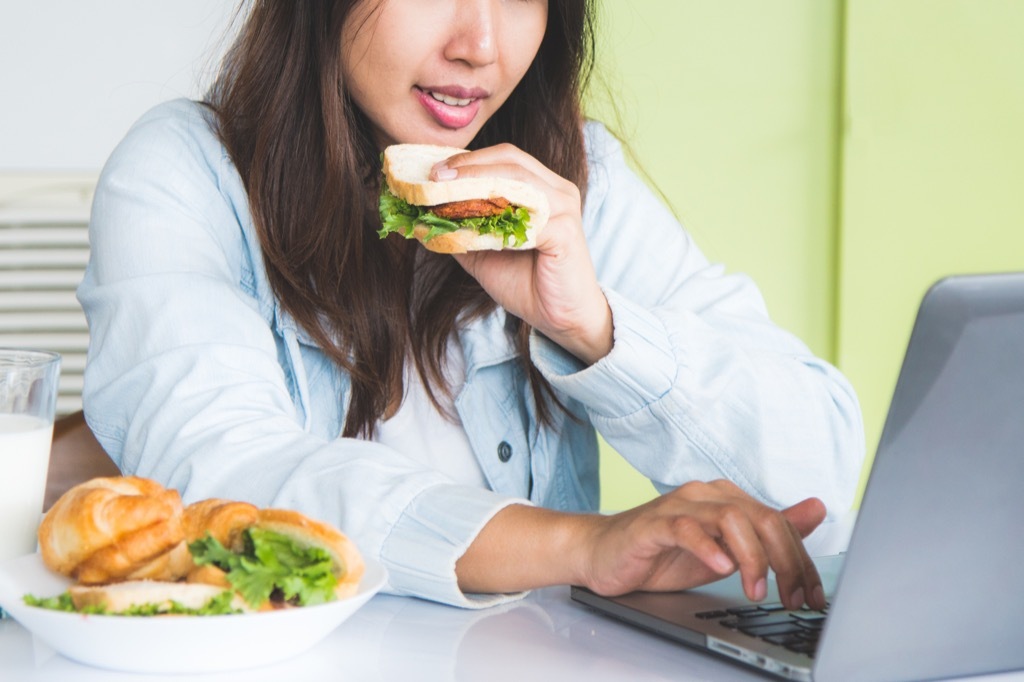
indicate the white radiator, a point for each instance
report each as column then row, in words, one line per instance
column 44, row 248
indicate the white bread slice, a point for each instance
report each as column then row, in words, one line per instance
column 118, row 597
column 407, row 168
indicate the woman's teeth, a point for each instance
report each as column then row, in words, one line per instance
column 451, row 101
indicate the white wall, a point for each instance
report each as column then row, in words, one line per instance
column 75, row 74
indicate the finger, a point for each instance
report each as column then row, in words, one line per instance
column 797, row 577
column 814, row 590
column 803, row 518
column 504, row 160
column 507, row 170
column 794, row 571
column 745, row 545
column 688, row 533
column 806, row 515
column 501, row 154
column 808, row 587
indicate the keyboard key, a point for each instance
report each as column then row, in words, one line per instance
column 786, row 639
column 744, row 610
column 708, row 615
column 738, row 622
column 803, row 647
column 809, row 616
column 811, row 624
column 771, row 629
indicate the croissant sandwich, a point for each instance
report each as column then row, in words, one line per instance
column 271, row 557
column 133, row 548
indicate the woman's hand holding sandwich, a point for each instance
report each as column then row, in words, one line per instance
column 554, row 287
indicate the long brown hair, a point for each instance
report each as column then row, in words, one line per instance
column 311, row 170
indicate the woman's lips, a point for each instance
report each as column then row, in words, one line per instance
column 451, row 107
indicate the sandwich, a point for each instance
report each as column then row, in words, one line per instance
column 460, row 215
column 132, row 548
column 273, row 558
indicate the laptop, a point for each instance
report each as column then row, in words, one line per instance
column 932, row 582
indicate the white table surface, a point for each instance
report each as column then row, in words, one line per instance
column 544, row 637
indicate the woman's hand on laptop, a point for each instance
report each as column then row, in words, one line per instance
column 701, row 532
column 693, row 535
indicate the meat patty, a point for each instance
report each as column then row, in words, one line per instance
column 471, row 208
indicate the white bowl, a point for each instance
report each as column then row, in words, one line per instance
column 172, row 644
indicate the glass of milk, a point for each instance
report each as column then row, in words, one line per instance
column 28, row 397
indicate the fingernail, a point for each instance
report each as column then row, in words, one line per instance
column 723, row 564
column 797, row 600
column 760, row 589
column 819, row 597
column 441, row 171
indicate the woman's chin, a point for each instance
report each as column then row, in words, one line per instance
column 433, row 133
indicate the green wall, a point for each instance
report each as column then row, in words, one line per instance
column 844, row 154
column 933, row 167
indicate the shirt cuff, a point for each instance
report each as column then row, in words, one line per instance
column 638, row 371
column 430, row 536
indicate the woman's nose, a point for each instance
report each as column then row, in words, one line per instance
column 472, row 34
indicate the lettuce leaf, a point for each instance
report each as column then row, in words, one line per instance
column 217, row 606
column 272, row 564
column 62, row 602
column 398, row 215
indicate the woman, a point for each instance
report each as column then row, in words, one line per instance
column 252, row 338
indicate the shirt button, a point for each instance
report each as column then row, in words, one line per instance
column 504, row 451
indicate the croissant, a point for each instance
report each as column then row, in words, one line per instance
column 223, row 519
column 115, row 529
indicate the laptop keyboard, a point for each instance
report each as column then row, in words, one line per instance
column 797, row 631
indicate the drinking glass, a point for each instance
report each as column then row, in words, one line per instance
column 28, row 399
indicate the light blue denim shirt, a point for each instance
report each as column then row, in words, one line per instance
column 197, row 378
